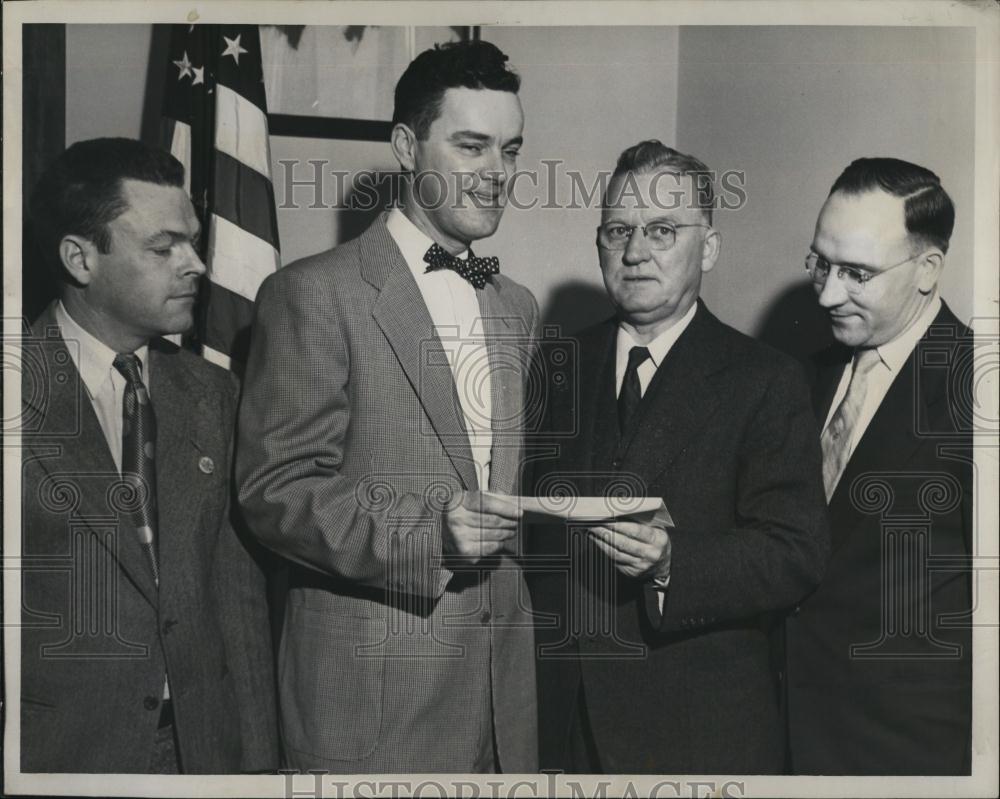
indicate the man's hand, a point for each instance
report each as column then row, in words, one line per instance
column 637, row 550
column 476, row 525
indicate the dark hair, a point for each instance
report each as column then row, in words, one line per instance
column 81, row 193
column 652, row 155
column 928, row 210
column 472, row 65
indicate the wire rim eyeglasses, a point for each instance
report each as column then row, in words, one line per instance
column 615, row 236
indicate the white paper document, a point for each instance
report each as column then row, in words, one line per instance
column 546, row 510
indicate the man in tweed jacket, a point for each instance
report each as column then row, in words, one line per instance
column 145, row 647
column 373, row 421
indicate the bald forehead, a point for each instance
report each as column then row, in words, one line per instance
column 872, row 216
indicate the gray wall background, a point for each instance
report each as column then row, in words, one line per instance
column 789, row 106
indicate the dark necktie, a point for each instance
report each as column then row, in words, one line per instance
column 476, row 270
column 138, row 453
column 631, row 393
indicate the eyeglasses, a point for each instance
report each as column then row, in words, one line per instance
column 659, row 235
column 854, row 279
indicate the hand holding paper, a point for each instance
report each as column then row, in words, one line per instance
column 631, row 531
column 478, row 524
column 638, row 550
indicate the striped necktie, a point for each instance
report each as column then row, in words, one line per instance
column 836, row 439
column 138, row 453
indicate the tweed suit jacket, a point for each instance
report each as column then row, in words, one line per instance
column 98, row 635
column 725, row 435
column 879, row 656
column 351, row 441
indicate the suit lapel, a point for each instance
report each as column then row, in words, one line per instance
column 183, row 411
column 679, row 401
column 506, row 338
column 917, row 397
column 402, row 315
column 599, row 407
column 830, row 371
column 83, row 458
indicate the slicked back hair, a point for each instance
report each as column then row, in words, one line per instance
column 80, row 192
column 652, row 155
column 928, row 210
column 471, row 65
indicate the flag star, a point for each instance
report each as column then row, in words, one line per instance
column 184, row 65
column 199, row 75
column 233, row 48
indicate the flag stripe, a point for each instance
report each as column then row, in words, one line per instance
column 245, row 198
column 215, row 99
column 230, row 313
column 239, row 261
column 216, row 357
column 180, row 148
column 241, row 130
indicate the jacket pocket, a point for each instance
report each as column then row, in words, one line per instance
column 330, row 673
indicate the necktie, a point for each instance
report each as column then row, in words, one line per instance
column 631, row 393
column 138, row 452
column 476, row 270
column 836, row 439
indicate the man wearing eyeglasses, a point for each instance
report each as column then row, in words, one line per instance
column 879, row 660
column 654, row 642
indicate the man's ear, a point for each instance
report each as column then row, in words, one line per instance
column 404, row 145
column 929, row 270
column 710, row 249
column 79, row 257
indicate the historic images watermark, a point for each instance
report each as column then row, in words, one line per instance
column 316, row 185
column 320, row 785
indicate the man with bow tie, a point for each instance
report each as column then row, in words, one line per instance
column 145, row 642
column 375, row 418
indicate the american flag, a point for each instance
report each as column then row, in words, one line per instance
column 216, row 125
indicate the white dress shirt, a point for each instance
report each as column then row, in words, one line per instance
column 105, row 385
column 658, row 349
column 892, row 357
column 454, row 309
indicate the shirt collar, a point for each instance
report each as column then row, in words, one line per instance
column 93, row 358
column 893, row 354
column 411, row 240
column 659, row 346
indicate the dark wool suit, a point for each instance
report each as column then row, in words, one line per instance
column 351, row 442
column 98, row 636
column 879, row 657
column 726, row 437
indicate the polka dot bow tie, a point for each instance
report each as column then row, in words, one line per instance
column 476, row 270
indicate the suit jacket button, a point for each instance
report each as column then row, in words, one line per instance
column 485, row 617
column 796, row 610
column 206, row 464
column 150, row 703
column 168, row 625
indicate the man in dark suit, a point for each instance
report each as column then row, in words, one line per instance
column 879, row 656
column 383, row 398
column 144, row 643
column 654, row 651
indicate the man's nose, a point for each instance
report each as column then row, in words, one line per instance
column 193, row 265
column 833, row 293
column 637, row 250
column 495, row 170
